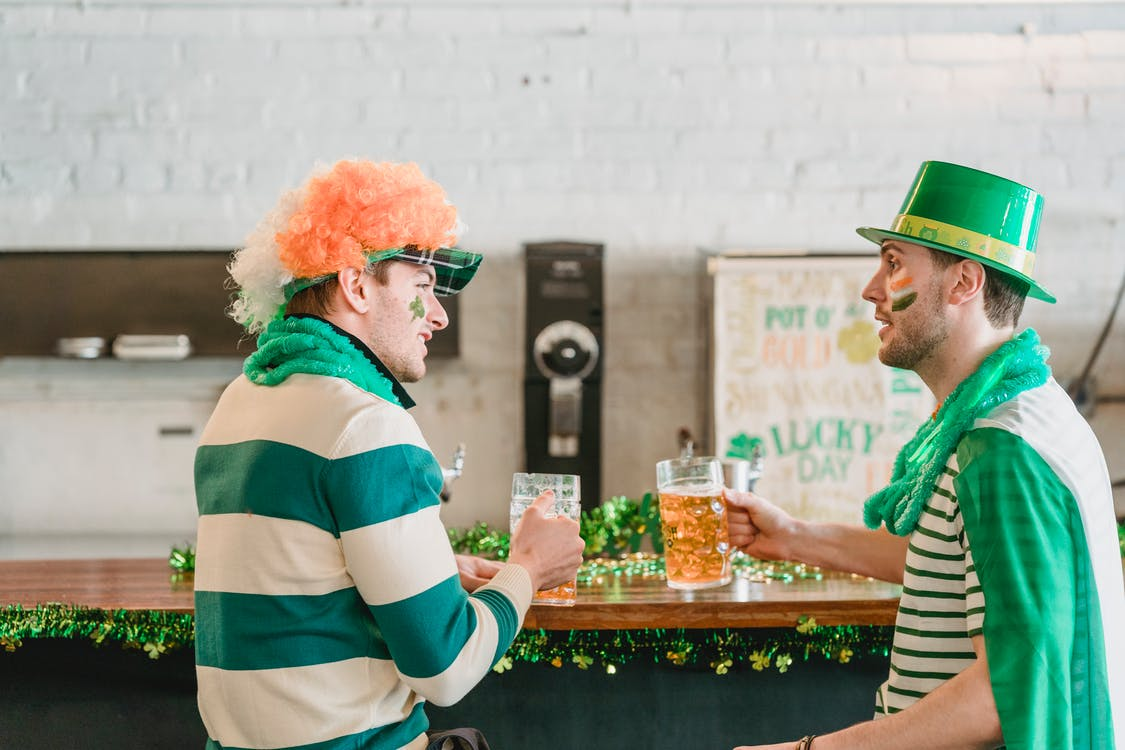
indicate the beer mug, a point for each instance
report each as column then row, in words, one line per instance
column 693, row 520
column 568, row 502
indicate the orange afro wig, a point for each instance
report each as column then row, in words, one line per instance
column 341, row 218
column 360, row 207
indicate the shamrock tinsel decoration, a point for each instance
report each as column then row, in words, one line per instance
column 618, row 526
column 154, row 632
column 722, row 651
column 621, row 525
column 182, row 559
column 480, row 540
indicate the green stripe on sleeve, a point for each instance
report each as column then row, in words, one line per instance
column 904, row 692
column 919, row 675
column 943, row 515
column 254, row 631
column 931, row 633
column 427, row 631
column 937, row 555
column 507, row 619
column 955, row 614
column 946, row 494
column 935, row 575
column 906, row 590
column 935, row 535
column 381, row 484
column 934, row 654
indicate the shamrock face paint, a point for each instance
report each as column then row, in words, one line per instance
column 903, row 294
column 417, row 308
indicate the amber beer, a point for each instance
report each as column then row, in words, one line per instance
column 693, row 520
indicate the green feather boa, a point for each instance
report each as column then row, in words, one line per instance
column 1018, row 365
column 311, row 346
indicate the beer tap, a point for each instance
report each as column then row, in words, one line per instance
column 757, row 462
column 686, row 441
column 449, row 475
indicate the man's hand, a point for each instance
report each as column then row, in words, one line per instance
column 761, row 529
column 758, row 527
column 549, row 549
column 476, row 571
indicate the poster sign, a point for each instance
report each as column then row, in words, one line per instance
column 795, row 374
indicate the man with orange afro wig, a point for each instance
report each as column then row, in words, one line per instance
column 329, row 603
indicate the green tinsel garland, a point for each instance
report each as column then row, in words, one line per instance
column 156, row 633
column 719, row 650
column 152, row 631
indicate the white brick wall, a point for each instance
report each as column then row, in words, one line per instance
column 656, row 127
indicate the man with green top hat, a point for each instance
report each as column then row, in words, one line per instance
column 998, row 519
column 329, row 604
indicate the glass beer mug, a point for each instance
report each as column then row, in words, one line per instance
column 693, row 520
column 568, row 502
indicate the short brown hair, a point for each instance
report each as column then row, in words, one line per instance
column 1004, row 294
column 317, row 299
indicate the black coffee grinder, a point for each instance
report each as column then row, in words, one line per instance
column 563, row 362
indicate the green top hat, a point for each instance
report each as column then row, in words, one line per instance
column 973, row 214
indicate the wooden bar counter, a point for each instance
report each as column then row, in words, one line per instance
column 610, row 603
column 69, row 692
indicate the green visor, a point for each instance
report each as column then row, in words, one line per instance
column 454, row 268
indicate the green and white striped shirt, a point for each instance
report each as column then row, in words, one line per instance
column 327, row 597
column 942, row 604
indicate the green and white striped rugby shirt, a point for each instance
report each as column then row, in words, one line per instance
column 327, row 598
column 942, row 604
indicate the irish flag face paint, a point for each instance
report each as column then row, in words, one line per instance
column 903, row 294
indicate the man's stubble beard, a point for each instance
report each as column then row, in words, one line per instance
column 918, row 336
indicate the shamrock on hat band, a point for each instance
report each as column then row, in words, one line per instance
column 1004, row 253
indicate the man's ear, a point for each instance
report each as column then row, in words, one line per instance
column 966, row 280
column 353, row 289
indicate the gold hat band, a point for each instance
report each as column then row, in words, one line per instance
column 998, row 251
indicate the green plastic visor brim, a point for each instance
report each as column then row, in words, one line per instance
column 453, row 268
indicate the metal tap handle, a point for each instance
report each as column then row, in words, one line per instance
column 686, row 442
column 757, row 462
column 453, row 472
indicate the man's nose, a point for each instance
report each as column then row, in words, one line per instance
column 438, row 317
column 874, row 291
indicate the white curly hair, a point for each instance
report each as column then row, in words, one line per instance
column 257, row 270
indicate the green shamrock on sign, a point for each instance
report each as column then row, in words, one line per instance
column 744, row 446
